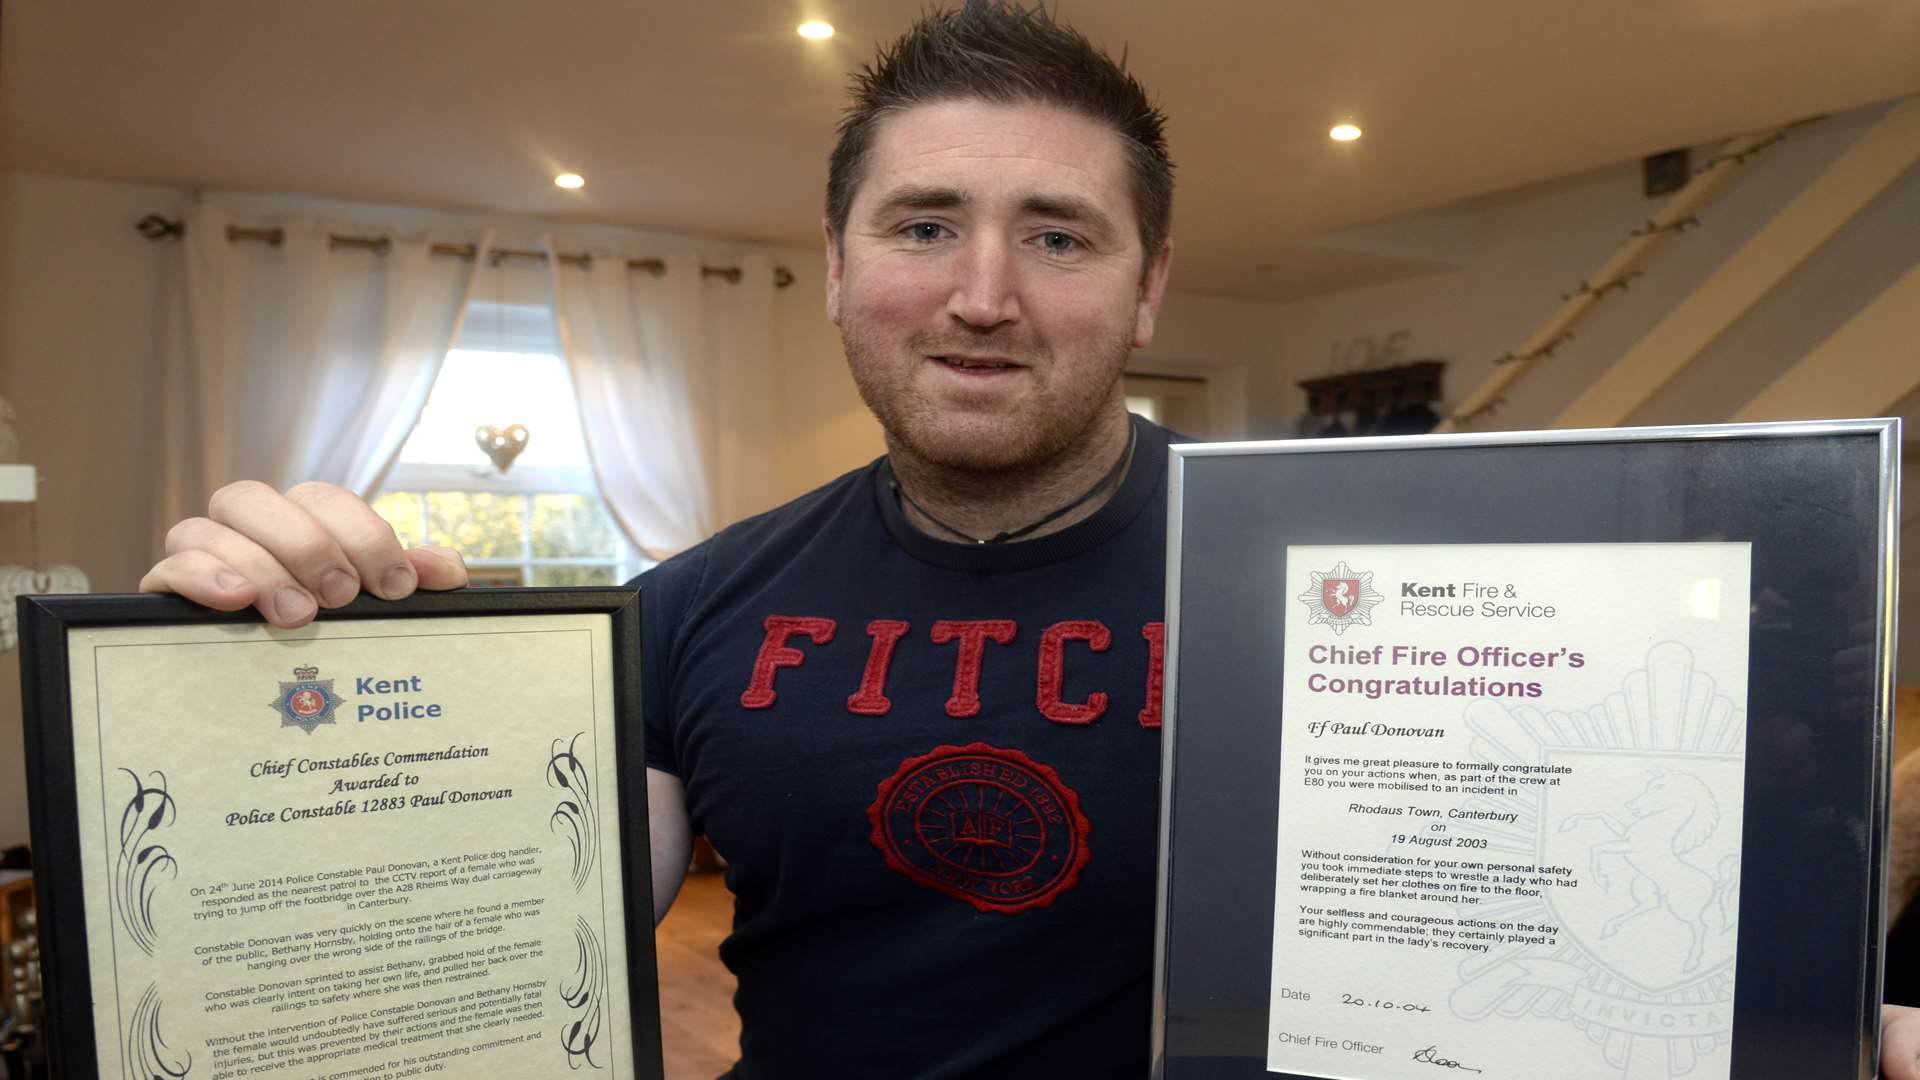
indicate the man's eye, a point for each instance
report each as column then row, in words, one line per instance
column 1059, row 243
column 924, row 231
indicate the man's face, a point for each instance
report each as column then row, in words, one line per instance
column 989, row 284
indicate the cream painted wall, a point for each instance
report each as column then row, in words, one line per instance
column 81, row 311
column 1520, row 251
column 81, row 303
column 825, row 428
column 1221, row 339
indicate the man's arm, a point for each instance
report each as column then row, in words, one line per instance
column 672, row 837
column 1903, row 868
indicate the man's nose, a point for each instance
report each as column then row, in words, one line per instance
column 986, row 287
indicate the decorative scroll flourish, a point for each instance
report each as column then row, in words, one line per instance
column 148, row 1055
column 139, row 865
column 585, row 996
column 575, row 816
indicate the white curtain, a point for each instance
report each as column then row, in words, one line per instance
column 674, row 372
column 296, row 361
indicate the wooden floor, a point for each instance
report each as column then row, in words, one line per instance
column 700, row 1034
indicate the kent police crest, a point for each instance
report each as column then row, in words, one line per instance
column 306, row 702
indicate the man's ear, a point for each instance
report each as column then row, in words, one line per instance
column 835, row 263
column 1153, row 288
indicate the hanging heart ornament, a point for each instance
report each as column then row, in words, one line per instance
column 18, row 581
column 502, row 445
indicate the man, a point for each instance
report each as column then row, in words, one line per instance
column 917, row 709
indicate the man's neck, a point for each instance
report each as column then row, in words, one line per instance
column 962, row 504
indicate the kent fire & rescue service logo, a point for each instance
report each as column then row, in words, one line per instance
column 1628, row 927
column 306, row 702
column 983, row 824
column 1341, row 597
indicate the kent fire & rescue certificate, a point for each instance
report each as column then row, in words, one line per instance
column 1510, row 811
column 368, row 848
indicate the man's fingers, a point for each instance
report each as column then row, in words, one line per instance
column 363, row 535
column 292, row 536
column 438, row 567
column 201, row 578
column 317, row 546
column 1899, row 1043
column 278, row 596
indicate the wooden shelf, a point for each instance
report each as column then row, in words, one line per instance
column 16, row 899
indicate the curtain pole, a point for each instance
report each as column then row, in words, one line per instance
column 155, row 227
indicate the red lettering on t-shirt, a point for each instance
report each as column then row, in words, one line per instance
column 774, row 653
column 973, row 635
column 1156, row 635
column 872, row 698
column 1052, row 660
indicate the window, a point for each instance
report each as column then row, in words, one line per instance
column 541, row 522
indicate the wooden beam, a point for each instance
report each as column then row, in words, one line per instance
column 1613, row 273
column 1850, row 184
column 1862, row 369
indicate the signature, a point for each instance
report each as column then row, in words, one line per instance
column 1432, row 1056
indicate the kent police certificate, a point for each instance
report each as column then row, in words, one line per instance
column 1510, row 811
column 366, row 848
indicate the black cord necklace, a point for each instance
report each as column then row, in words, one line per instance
column 1119, row 467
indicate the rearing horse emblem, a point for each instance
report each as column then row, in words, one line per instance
column 1673, row 816
column 1635, row 829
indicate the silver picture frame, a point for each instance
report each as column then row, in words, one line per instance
column 1819, row 502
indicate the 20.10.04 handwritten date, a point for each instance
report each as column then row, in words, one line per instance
column 1383, row 1003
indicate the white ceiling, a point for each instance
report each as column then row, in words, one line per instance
column 715, row 118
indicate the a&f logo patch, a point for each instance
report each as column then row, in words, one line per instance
column 992, row 827
column 1341, row 597
column 306, row 702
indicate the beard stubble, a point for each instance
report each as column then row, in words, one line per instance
column 1037, row 431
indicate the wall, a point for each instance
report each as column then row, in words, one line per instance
column 82, row 305
column 1222, row 339
column 82, row 298
column 79, row 310
column 1519, row 251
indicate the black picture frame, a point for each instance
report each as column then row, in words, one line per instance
column 1818, row 503
column 45, row 622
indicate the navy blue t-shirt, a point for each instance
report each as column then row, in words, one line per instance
column 933, row 770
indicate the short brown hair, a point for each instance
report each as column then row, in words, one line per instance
column 1005, row 53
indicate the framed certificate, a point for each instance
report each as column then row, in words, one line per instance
column 1528, row 754
column 407, row 839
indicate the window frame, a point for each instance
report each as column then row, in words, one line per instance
column 520, row 330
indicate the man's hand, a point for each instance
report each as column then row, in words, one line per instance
column 1903, row 874
column 290, row 555
column 1899, row 1043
